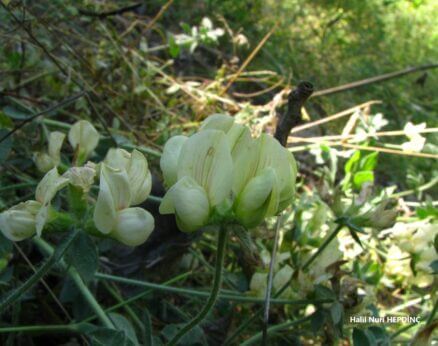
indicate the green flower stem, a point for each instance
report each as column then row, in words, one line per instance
column 88, row 296
column 279, row 327
column 220, row 258
column 62, row 328
column 237, row 297
column 323, row 246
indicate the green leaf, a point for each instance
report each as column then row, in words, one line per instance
column 5, row 122
column 149, row 340
column 5, row 246
column 195, row 336
column 317, row 321
column 363, row 338
column 108, row 337
column 362, row 177
column 322, row 292
column 15, row 113
column 434, row 266
column 369, row 162
column 352, row 162
column 174, row 49
column 83, row 256
column 5, row 145
column 336, row 312
column 122, row 324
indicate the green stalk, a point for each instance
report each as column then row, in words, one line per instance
column 323, row 246
column 220, row 258
column 191, row 292
column 88, row 296
column 62, row 328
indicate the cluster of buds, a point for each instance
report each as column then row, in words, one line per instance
column 221, row 174
column 125, row 180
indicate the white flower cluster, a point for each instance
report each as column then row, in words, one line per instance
column 222, row 174
column 412, row 242
column 125, row 180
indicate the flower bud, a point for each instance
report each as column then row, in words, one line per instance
column 264, row 180
column 258, row 198
column 82, row 177
column 19, row 222
column 84, row 138
column 189, row 202
column 134, row 226
column 46, row 161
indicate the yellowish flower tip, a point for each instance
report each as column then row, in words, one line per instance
column 223, row 166
column 19, row 222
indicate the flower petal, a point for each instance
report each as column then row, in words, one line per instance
column 258, row 199
column 117, row 158
column 140, row 179
column 114, row 195
column 222, row 122
column 206, row 157
column 134, row 226
column 47, row 188
column 169, row 159
column 188, row 200
column 83, row 137
column 55, row 143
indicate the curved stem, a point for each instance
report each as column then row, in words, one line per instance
column 220, row 257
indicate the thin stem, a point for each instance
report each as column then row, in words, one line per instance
column 220, row 258
column 62, row 328
column 323, row 246
column 269, row 284
column 47, row 249
column 191, row 292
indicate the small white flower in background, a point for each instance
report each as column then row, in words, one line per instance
column 84, row 138
column 241, row 40
column 19, row 222
column 112, row 215
column 45, row 161
column 416, row 141
column 136, row 166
